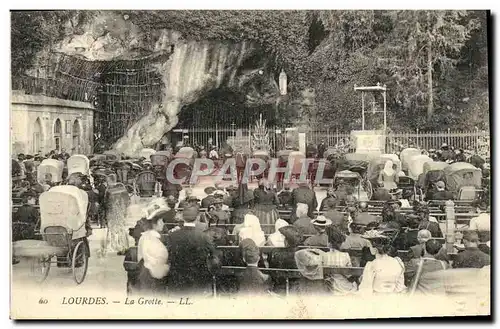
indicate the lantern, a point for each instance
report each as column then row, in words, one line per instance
column 283, row 85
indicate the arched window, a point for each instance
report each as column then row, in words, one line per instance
column 76, row 137
column 57, row 134
column 37, row 136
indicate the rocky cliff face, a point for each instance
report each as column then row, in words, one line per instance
column 192, row 68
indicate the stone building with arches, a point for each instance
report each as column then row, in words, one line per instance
column 40, row 124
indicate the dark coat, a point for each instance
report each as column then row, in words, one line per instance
column 408, row 239
column 335, row 216
column 441, row 195
column 303, row 194
column 283, row 258
column 285, row 198
column 305, row 226
column 447, row 155
column 381, row 194
column 207, row 201
column 132, row 268
column 169, row 217
column 191, row 252
column 254, row 282
column 37, row 188
column 265, row 197
column 325, row 200
column 26, row 214
column 170, row 189
column 471, row 258
column 146, row 283
column 431, row 227
column 484, row 248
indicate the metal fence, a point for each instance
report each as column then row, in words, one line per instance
column 473, row 140
column 238, row 138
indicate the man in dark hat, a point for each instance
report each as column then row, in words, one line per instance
column 409, row 237
column 440, row 192
column 321, row 149
column 171, row 214
column 460, row 156
column 169, row 188
column 228, row 199
column 35, row 186
column 357, row 227
column 446, row 153
column 252, row 281
column 192, row 255
column 330, row 197
column 285, row 196
column 210, row 198
column 426, row 224
column 471, row 257
column 222, row 216
column 192, row 215
column 398, row 216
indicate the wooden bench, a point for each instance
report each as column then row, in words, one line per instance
column 288, row 274
column 270, row 249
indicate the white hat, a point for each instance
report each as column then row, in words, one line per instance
column 321, row 221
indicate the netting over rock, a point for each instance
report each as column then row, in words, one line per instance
column 121, row 90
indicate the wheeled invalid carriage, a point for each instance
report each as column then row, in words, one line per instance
column 63, row 212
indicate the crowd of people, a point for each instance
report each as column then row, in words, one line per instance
column 191, row 239
column 177, row 242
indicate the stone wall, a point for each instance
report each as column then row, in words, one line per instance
column 34, row 119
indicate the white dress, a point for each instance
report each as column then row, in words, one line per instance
column 385, row 274
column 389, row 182
column 154, row 253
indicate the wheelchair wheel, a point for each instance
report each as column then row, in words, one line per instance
column 40, row 268
column 368, row 188
column 79, row 263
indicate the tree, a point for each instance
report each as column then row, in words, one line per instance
column 424, row 44
column 31, row 31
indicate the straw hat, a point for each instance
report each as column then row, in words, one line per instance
column 321, row 221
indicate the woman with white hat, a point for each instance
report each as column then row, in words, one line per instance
column 320, row 239
column 152, row 256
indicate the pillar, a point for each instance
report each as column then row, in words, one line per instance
column 450, row 226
